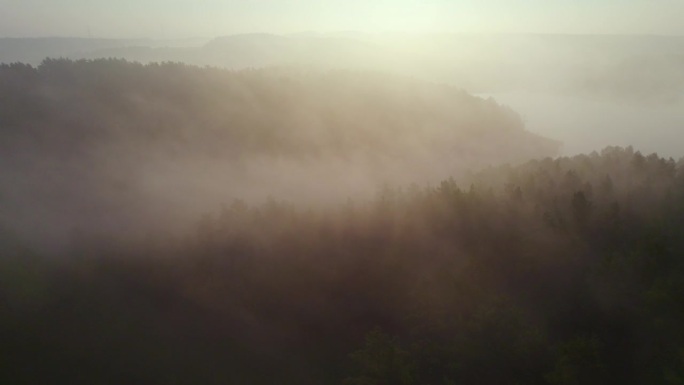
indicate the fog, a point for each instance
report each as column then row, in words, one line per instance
column 585, row 124
column 309, row 118
column 96, row 146
column 325, row 193
column 596, row 90
column 183, row 18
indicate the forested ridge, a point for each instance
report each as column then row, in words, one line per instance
column 283, row 112
column 631, row 68
column 165, row 223
column 121, row 146
column 557, row 271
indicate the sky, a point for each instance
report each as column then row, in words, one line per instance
column 208, row 18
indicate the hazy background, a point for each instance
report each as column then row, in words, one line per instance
column 601, row 60
column 588, row 91
column 184, row 18
column 587, row 74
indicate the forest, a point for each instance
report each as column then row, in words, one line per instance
column 124, row 147
column 166, row 223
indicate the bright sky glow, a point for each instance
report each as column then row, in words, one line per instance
column 207, row 18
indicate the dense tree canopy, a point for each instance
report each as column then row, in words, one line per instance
column 557, row 271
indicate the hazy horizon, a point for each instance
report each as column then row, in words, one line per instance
column 337, row 33
column 182, row 19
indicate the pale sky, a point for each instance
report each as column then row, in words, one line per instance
column 208, row 18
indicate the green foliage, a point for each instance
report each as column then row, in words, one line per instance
column 382, row 362
column 579, row 362
column 516, row 279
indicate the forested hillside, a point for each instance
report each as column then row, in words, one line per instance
column 557, row 271
column 120, row 147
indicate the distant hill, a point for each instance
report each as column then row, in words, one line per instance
column 35, row 50
column 636, row 68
